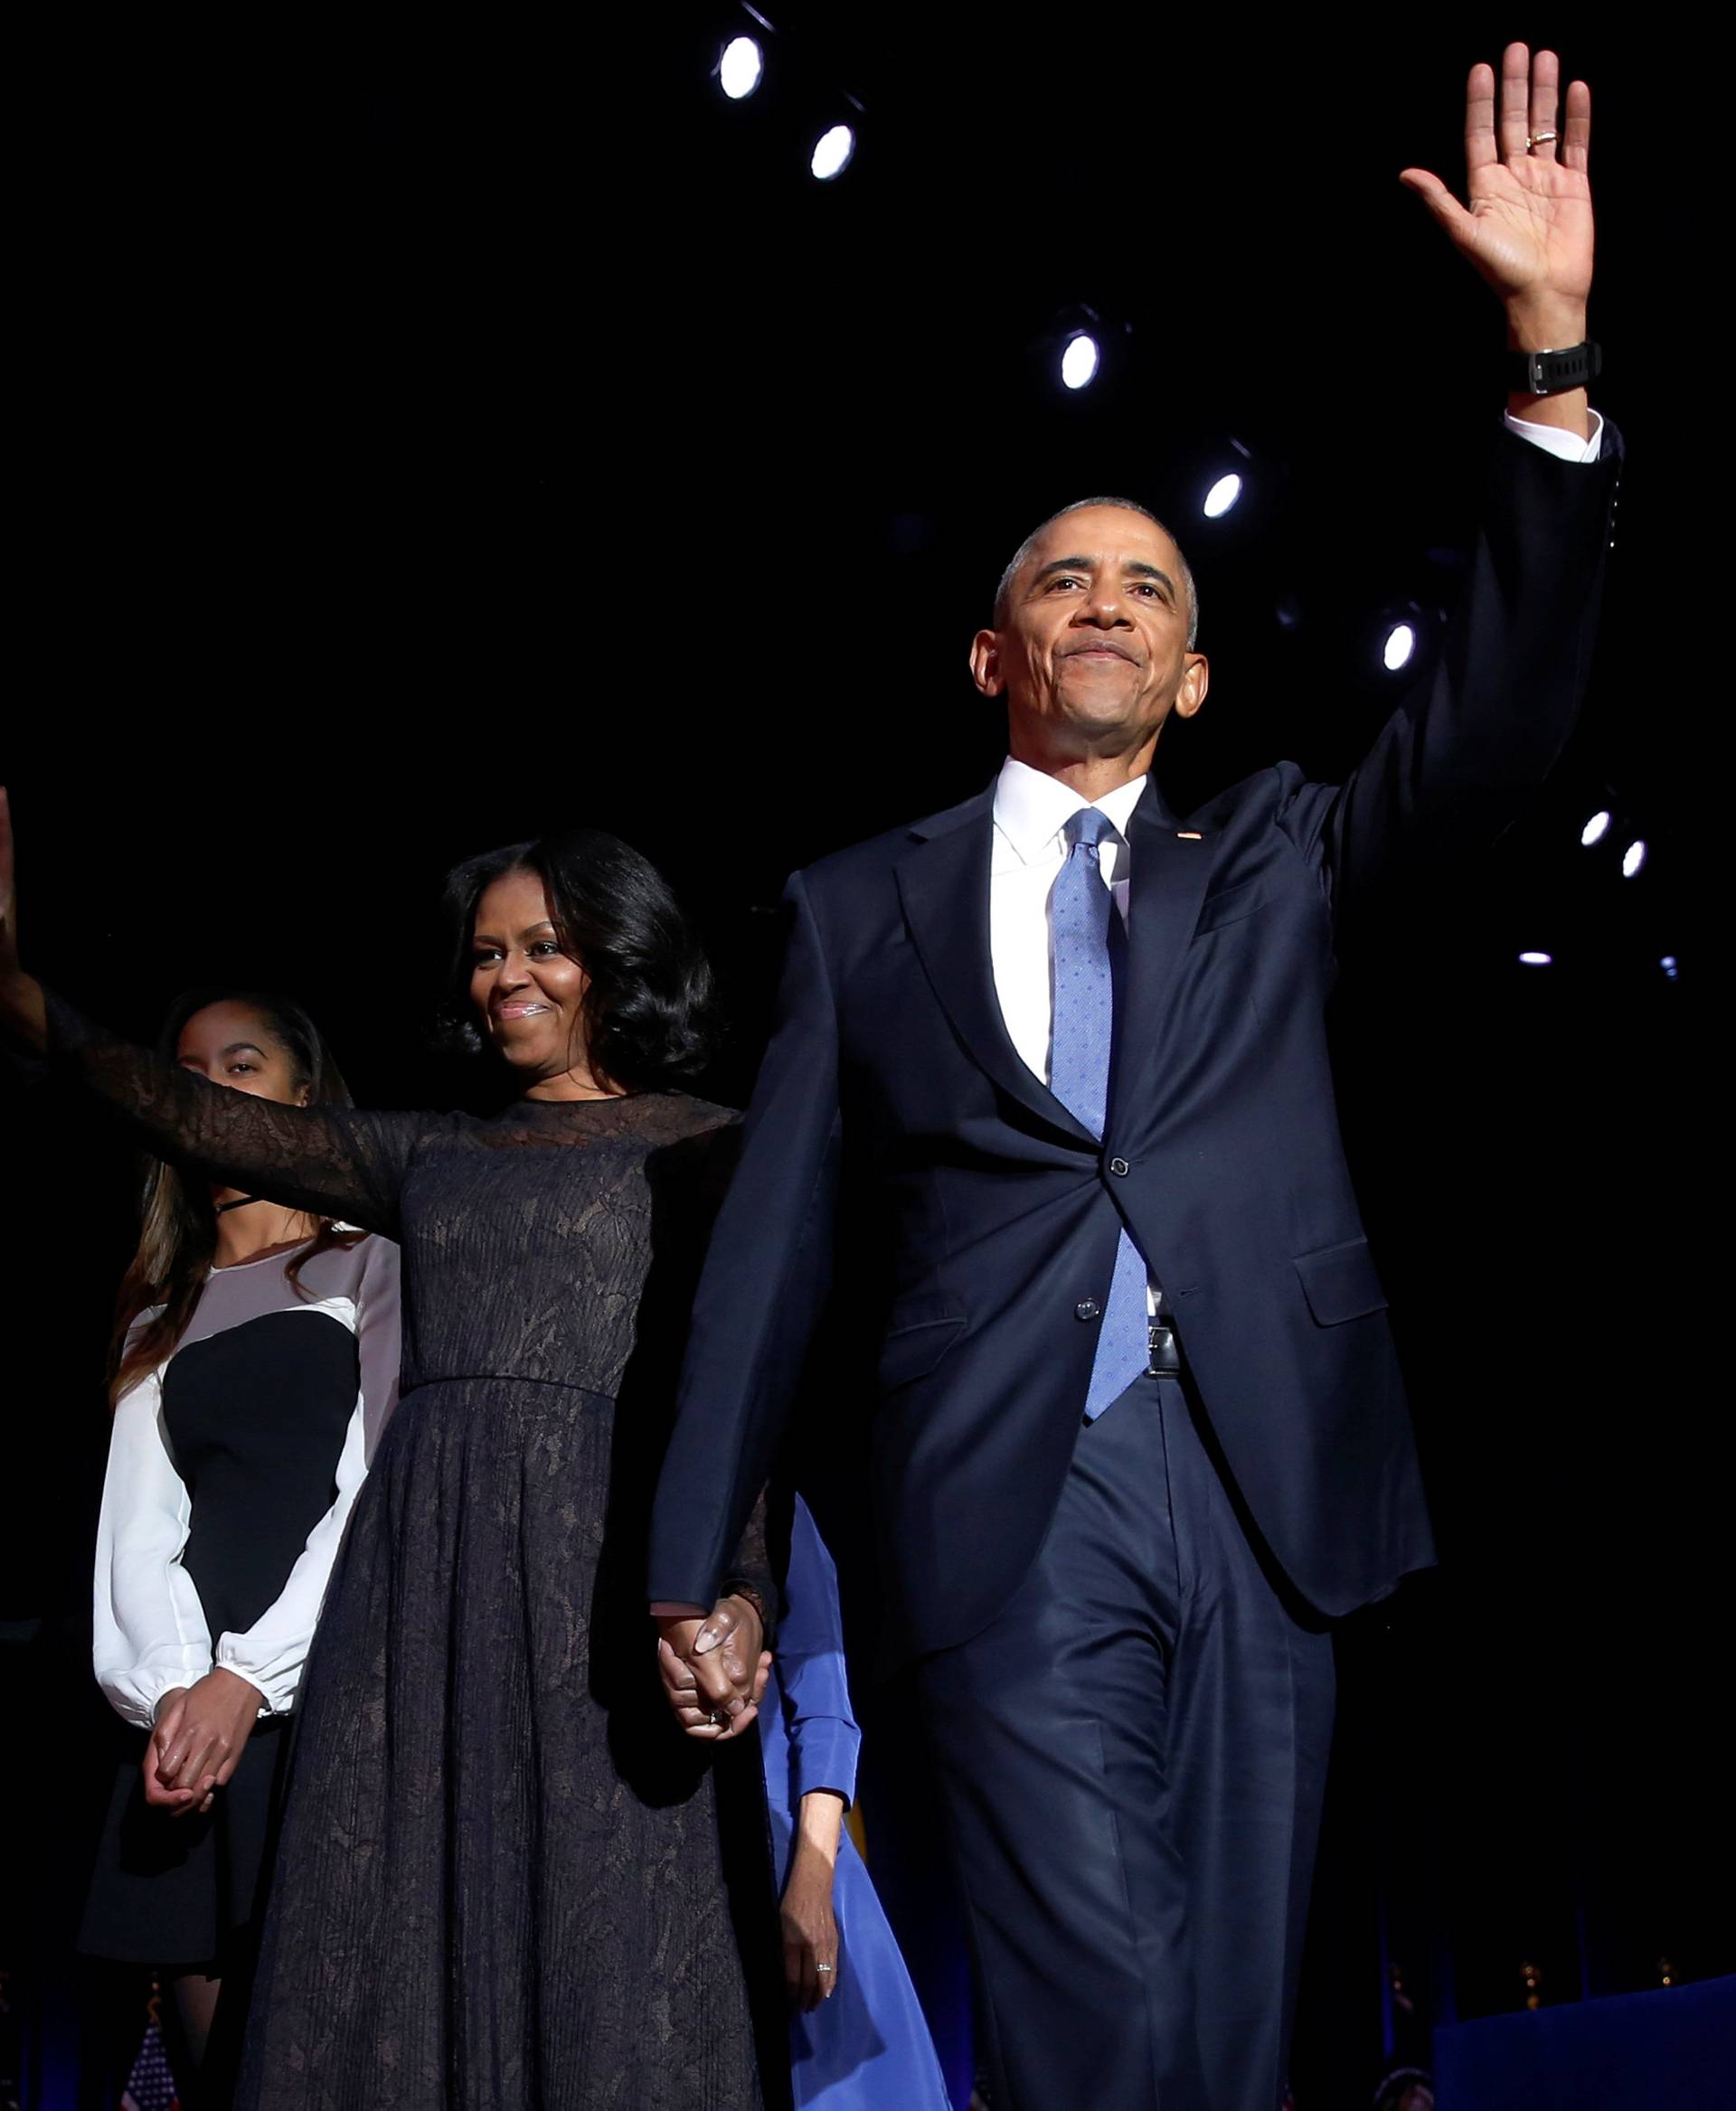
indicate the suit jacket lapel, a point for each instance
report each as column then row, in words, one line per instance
column 1169, row 877
column 943, row 882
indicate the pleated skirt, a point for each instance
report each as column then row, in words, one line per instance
column 506, row 1879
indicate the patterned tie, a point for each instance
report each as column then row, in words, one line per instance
column 1082, row 911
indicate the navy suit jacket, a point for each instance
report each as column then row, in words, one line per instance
column 891, row 1079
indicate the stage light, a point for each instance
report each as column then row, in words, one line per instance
column 1078, row 360
column 1401, row 643
column 1221, row 497
column 1670, row 965
column 1595, row 829
column 740, row 68
column 1632, row 858
column 1535, row 959
column 832, row 152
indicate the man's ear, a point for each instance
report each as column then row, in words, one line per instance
column 1196, row 679
column 985, row 662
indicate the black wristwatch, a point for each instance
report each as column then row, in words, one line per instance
column 1552, row 373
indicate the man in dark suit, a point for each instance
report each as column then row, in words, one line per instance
column 1141, row 1435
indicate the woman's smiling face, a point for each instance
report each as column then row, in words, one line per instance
column 528, row 992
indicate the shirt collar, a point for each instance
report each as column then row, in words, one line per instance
column 1031, row 808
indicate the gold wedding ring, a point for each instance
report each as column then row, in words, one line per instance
column 1541, row 139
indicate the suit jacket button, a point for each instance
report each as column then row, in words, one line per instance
column 1087, row 1308
column 1119, row 1165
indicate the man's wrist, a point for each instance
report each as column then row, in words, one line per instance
column 1545, row 324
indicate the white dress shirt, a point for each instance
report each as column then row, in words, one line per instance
column 1031, row 811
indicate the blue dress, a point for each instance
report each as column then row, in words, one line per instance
column 867, row 2047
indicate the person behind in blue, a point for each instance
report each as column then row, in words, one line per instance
column 857, row 2039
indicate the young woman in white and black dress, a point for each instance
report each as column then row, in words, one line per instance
column 506, row 1880
column 256, row 1363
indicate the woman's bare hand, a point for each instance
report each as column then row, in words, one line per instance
column 199, row 1744
column 159, row 1793
column 810, row 1929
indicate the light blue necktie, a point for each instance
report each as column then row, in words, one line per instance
column 1081, row 911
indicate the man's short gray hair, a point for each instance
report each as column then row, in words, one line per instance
column 1004, row 592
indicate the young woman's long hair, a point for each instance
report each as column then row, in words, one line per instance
column 178, row 1224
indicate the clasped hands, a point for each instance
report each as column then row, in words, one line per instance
column 197, row 1741
column 714, row 1669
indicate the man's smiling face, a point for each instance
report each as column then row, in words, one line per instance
column 1090, row 646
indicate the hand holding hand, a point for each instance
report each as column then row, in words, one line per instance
column 199, row 1740
column 1527, row 227
column 714, row 1670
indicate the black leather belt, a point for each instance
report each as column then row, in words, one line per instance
column 1166, row 1352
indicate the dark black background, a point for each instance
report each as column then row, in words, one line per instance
column 432, row 437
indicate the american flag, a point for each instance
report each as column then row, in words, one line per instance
column 151, row 2087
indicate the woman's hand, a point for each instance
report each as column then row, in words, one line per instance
column 21, row 1011
column 809, row 1925
column 157, row 1792
column 199, row 1738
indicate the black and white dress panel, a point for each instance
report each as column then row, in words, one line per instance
column 233, row 1468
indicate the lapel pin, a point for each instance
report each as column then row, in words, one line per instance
column 1189, row 836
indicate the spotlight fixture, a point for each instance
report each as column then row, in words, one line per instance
column 1401, row 644
column 832, row 153
column 1079, row 361
column 1671, row 966
column 1535, row 959
column 1597, row 828
column 1633, row 858
column 740, row 68
column 1221, row 497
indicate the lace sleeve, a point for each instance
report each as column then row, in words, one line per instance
column 760, row 1557
column 338, row 1162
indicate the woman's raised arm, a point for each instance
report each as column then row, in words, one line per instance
column 338, row 1162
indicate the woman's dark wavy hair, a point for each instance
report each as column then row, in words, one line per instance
column 649, row 1014
column 177, row 1232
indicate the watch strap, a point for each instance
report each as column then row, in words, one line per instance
column 1552, row 373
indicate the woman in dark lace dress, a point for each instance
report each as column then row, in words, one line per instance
column 506, row 1879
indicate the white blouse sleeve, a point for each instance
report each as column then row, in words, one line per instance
column 271, row 1653
column 149, row 1627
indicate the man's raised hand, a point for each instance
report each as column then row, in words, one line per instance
column 1527, row 227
